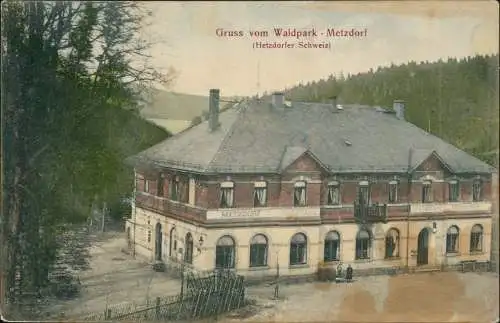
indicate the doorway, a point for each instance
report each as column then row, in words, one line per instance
column 158, row 241
column 423, row 247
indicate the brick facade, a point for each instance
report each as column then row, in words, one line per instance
column 280, row 188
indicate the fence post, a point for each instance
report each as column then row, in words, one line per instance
column 157, row 308
column 107, row 314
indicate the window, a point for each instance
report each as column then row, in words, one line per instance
column 260, row 194
column 364, row 192
column 258, row 251
column 224, row 253
column 160, row 184
column 140, row 183
column 188, row 254
column 427, row 192
column 298, row 249
column 476, row 190
column 174, row 188
column 226, row 194
column 393, row 192
column 476, row 238
column 392, row 244
column 363, row 245
column 333, row 197
column 332, row 246
column 452, row 240
column 173, row 242
column 299, row 196
column 149, row 235
column 146, row 185
column 453, row 191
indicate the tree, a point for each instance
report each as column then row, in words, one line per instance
column 69, row 71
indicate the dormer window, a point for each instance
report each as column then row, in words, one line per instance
column 453, row 189
column 364, row 192
column 260, row 194
column 146, row 186
column 333, row 197
column 226, row 195
column 427, row 192
column 393, row 191
column 299, row 196
column 477, row 190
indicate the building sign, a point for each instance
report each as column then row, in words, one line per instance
column 239, row 213
column 263, row 213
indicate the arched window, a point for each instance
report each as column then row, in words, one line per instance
column 298, row 249
column 476, row 238
column 224, row 252
column 332, row 246
column 452, row 239
column 258, row 251
column 392, row 243
column 188, row 254
column 363, row 244
column 173, row 242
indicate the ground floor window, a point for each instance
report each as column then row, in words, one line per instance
column 258, row 251
column 188, row 254
column 332, row 246
column 224, row 253
column 476, row 238
column 363, row 245
column 298, row 249
column 392, row 244
column 452, row 240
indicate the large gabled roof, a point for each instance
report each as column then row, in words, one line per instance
column 258, row 138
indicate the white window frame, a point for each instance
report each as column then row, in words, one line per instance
column 429, row 198
column 391, row 185
column 302, row 185
column 450, row 183
column 224, row 188
column 260, row 186
column 333, row 185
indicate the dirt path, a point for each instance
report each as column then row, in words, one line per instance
column 115, row 278
column 438, row 297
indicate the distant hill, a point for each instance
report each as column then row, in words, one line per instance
column 175, row 111
column 456, row 100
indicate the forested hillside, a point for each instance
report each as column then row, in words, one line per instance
column 456, row 100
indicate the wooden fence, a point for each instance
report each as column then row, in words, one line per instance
column 207, row 295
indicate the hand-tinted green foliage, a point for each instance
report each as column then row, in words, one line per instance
column 456, row 100
column 69, row 98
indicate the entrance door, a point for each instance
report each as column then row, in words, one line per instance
column 158, row 242
column 423, row 247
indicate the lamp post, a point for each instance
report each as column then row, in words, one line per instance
column 277, row 286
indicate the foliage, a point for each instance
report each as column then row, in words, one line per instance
column 70, row 86
column 456, row 100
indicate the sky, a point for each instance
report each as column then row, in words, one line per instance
column 184, row 37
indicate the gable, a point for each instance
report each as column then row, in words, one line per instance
column 433, row 163
column 305, row 163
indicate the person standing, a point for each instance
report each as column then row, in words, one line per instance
column 348, row 274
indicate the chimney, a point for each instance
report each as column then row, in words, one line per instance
column 278, row 99
column 213, row 110
column 399, row 108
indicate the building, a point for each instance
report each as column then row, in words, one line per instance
column 299, row 185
